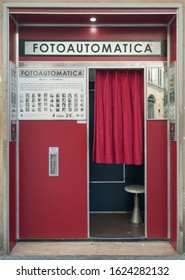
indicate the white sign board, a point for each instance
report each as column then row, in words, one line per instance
column 91, row 48
column 51, row 94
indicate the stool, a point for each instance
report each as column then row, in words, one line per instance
column 136, row 215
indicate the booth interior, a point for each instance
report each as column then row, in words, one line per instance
column 110, row 206
column 83, row 194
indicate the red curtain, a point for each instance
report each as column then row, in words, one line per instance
column 119, row 117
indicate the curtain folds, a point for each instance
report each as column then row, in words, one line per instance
column 119, row 117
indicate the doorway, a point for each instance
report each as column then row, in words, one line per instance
column 110, row 206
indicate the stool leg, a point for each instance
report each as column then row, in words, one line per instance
column 136, row 215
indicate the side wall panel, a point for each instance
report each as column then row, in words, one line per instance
column 173, row 155
column 173, row 195
column 12, row 155
column 12, row 194
column 157, row 179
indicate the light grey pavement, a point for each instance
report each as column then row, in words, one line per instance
column 10, row 257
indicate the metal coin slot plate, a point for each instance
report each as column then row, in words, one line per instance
column 53, row 158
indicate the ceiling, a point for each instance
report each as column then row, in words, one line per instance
column 82, row 16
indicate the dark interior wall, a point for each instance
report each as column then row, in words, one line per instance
column 113, row 197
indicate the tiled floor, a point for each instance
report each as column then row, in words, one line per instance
column 114, row 225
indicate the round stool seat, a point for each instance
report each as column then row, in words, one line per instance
column 136, row 215
column 135, row 188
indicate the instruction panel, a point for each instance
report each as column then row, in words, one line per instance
column 52, row 93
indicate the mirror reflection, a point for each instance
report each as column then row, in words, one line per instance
column 157, row 93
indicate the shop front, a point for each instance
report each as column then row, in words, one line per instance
column 95, row 96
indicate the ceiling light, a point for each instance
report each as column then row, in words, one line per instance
column 92, row 19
